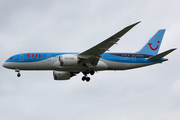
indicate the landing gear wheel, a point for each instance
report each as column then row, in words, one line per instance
column 83, row 78
column 87, row 79
column 18, row 74
column 92, row 72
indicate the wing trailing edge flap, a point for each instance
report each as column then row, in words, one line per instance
column 93, row 54
column 161, row 55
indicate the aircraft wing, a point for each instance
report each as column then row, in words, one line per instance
column 91, row 56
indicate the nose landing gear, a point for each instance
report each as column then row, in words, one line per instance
column 18, row 74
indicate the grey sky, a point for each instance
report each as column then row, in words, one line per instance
column 151, row 93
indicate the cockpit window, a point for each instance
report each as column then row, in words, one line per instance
column 11, row 58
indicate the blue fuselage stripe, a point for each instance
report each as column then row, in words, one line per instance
column 114, row 57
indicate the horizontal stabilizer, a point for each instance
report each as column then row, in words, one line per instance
column 161, row 55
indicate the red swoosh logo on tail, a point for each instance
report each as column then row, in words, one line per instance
column 153, row 48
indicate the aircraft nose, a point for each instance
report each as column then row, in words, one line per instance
column 8, row 65
column 4, row 65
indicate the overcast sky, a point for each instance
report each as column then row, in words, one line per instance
column 149, row 93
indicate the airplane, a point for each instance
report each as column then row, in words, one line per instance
column 67, row 65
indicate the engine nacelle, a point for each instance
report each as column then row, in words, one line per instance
column 68, row 60
column 62, row 75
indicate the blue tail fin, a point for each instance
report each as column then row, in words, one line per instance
column 153, row 45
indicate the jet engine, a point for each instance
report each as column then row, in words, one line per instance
column 68, row 60
column 62, row 75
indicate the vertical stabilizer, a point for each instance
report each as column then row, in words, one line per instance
column 153, row 45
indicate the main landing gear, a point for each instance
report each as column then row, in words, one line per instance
column 85, row 77
column 18, row 74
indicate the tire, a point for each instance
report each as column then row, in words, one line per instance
column 83, row 78
column 18, row 75
column 92, row 72
column 88, row 79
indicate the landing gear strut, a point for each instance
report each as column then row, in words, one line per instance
column 18, row 74
column 85, row 77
